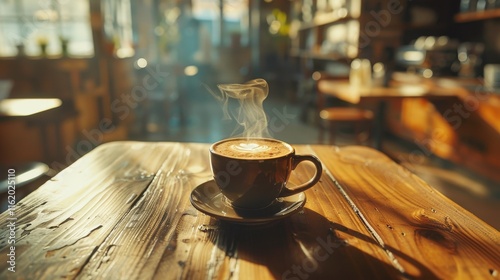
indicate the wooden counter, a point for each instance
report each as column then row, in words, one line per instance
column 123, row 211
column 455, row 119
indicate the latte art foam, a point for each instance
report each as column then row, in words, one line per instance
column 253, row 148
column 250, row 147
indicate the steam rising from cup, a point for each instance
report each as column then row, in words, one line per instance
column 250, row 114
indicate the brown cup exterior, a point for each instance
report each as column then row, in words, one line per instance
column 256, row 183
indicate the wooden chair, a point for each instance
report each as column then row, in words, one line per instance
column 51, row 122
column 331, row 118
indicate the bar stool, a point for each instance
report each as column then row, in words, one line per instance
column 331, row 118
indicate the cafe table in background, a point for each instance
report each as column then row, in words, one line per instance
column 401, row 86
column 47, row 114
column 136, row 210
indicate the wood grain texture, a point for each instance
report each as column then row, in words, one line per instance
column 429, row 235
column 123, row 212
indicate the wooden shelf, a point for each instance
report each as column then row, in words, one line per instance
column 477, row 16
column 322, row 21
column 424, row 27
column 319, row 56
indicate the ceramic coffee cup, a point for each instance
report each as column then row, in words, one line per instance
column 253, row 173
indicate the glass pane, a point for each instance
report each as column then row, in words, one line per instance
column 107, row 14
column 35, row 23
column 73, row 9
column 123, row 13
column 235, row 22
column 79, row 36
column 235, row 10
column 28, row 26
column 118, row 26
column 207, row 12
column 206, row 9
column 10, row 36
column 9, row 8
column 46, row 35
column 39, row 11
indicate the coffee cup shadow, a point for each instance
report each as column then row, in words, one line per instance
column 306, row 245
column 277, row 206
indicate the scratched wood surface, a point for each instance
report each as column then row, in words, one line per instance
column 123, row 212
column 426, row 233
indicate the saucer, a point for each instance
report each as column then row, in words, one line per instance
column 208, row 199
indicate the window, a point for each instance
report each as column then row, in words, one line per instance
column 235, row 19
column 118, row 26
column 49, row 27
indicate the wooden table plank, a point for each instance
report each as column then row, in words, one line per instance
column 188, row 244
column 428, row 234
column 59, row 226
column 149, row 232
column 123, row 212
column 325, row 240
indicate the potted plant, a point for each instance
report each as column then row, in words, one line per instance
column 42, row 43
column 20, row 49
column 64, row 45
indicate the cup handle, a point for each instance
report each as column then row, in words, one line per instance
column 296, row 159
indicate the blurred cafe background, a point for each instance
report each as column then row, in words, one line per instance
column 89, row 72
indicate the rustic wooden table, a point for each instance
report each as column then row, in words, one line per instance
column 123, row 211
column 22, row 107
column 47, row 114
column 381, row 95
